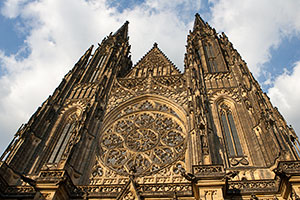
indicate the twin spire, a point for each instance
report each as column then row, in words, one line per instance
column 154, row 61
column 123, row 30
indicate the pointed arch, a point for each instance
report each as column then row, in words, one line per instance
column 65, row 129
column 211, row 57
column 229, row 126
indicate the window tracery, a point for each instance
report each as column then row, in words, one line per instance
column 147, row 136
column 67, row 131
column 211, row 58
column 228, row 125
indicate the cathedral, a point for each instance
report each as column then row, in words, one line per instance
column 115, row 131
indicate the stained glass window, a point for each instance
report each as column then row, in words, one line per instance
column 233, row 144
column 62, row 141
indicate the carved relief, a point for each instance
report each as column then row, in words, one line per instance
column 208, row 170
column 103, row 175
column 145, row 140
column 171, row 174
column 129, row 196
column 154, row 63
column 234, row 94
column 289, row 167
column 253, row 186
column 238, row 161
column 173, row 87
column 210, row 194
column 147, row 136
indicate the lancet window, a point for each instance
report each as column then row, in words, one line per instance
column 228, row 124
column 95, row 74
column 64, row 137
column 211, row 58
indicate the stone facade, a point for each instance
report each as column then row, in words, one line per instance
column 116, row 131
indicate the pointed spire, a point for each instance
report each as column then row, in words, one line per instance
column 84, row 59
column 123, row 31
column 199, row 22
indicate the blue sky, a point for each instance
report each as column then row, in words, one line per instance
column 41, row 40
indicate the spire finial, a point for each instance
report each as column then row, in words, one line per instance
column 155, row 44
column 199, row 22
column 123, row 30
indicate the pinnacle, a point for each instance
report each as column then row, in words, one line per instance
column 199, row 22
column 123, row 30
column 87, row 54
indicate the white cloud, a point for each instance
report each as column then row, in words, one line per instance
column 58, row 33
column 11, row 8
column 286, row 95
column 255, row 26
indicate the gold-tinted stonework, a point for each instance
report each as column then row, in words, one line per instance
column 116, row 131
column 146, row 135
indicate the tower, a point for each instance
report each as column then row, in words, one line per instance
column 113, row 131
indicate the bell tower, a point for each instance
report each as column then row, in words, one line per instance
column 244, row 131
column 238, row 110
column 149, row 131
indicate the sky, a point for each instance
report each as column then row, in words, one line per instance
column 41, row 40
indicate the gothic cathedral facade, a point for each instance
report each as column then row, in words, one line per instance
column 112, row 130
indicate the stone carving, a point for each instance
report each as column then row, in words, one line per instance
column 147, row 136
column 253, row 186
column 112, row 189
column 154, row 63
column 171, row 174
column 238, row 160
column 165, row 188
column 172, row 87
column 208, row 170
column 289, row 167
column 20, row 189
column 129, row 196
column 210, row 194
column 147, row 125
column 52, row 174
column 232, row 93
column 181, row 189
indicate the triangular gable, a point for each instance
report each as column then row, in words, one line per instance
column 154, row 63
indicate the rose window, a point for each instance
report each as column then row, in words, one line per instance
column 146, row 139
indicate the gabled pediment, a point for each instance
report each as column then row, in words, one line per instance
column 154, row 63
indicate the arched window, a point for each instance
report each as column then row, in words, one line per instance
column 233, row 144
column 64, row 138
column 211, row 58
